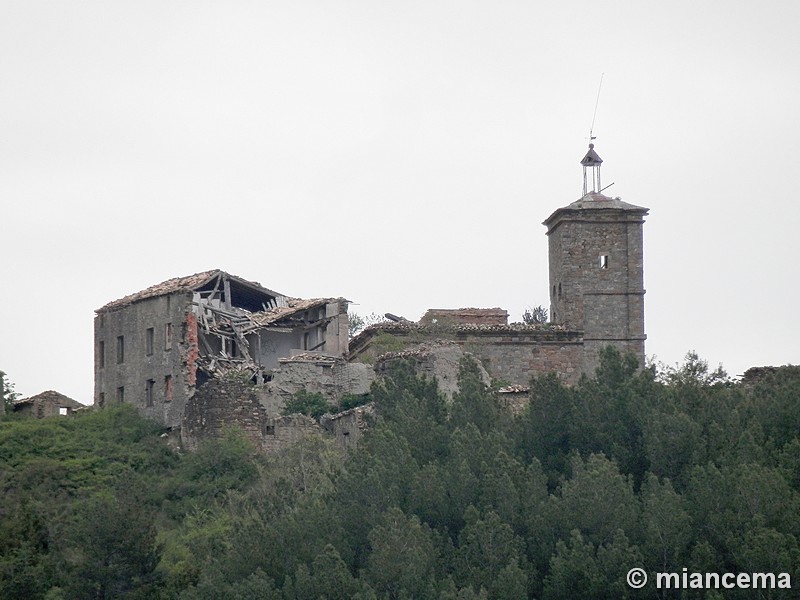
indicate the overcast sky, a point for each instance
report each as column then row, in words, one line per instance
column 400, row 154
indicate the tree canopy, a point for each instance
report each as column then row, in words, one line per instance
column 443, row 499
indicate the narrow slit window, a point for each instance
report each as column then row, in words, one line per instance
column 120, row 350
column 168, row 336
column 120, row 394
column 101, row 354
column 604, row 261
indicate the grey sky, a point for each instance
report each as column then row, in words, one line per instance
column 400, row 154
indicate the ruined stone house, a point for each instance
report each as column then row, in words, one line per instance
column 46, row 404
column 187, row 351
column 156, row 347
column 596, row 293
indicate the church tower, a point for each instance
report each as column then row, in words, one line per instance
column 596, row 269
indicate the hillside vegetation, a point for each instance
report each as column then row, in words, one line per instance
column 442, row 500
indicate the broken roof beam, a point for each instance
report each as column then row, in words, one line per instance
column 244, row 345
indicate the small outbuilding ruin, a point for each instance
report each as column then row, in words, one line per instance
column 47, row 404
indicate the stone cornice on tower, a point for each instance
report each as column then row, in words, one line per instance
column 599, row 207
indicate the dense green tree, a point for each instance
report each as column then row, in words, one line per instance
column 7, row 394
column 402, row 557
column 440, row 500
column 112, row 550
column 486, row 546
column 473, row 404
column 327, row 579
column 666, row 526
column 597, row 500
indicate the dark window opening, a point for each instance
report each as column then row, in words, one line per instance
column 202, row 378
column 101, row 399
column 149, row 392
column 120, row 394
column 101, row 354
column 168, row 388
column 168, row 336
column 120, row 350
column 269, row 430
column 148, row 341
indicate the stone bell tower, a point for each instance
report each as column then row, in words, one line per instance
column 596, row 268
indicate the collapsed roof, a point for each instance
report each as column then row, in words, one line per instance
column 248, row 295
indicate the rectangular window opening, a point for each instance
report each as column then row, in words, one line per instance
column 604, row 261
column 120, row 349
column 168, row 388
column 148, row 341
column 63, row 410
column 101, row 354
column 120, row 394
column 101, row 399
column 168, row 336
column 149, row 391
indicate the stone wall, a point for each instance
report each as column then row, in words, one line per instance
column 515, row 359
column 218, row 405
column 456, row 316
column 509, row 353
column 439, row 360
column 597, row 273
column 282, row 432
column 156, row 370
column 349, row 426
column 223, row 403
column 514, row 398
column 332, row 377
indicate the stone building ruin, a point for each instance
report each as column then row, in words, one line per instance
column 46, row 404
column 202, row 352
column 157, row 347
column 596, row 292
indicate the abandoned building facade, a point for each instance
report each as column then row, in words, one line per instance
column 199, row 352
column 156, row 347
